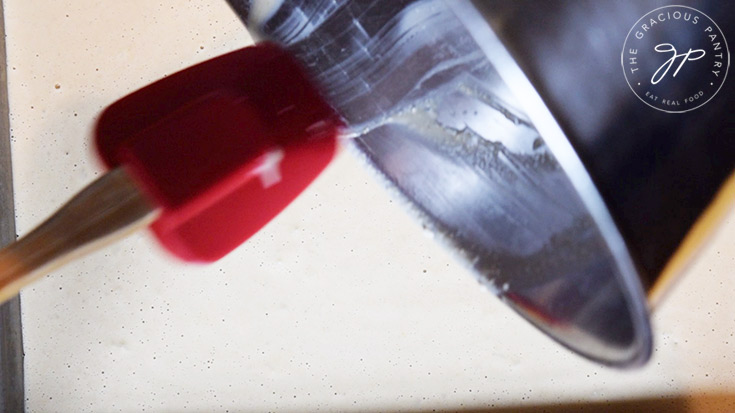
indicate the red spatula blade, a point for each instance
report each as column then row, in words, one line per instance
column 222, row 147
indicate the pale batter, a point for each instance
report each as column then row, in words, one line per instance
column 342, row 303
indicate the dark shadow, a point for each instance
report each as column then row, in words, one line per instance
column 12, row 397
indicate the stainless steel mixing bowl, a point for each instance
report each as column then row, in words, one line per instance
column 510, row 129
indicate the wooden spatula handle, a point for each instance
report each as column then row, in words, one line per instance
column 108, row 209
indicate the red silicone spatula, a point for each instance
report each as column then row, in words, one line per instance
column 206, row 156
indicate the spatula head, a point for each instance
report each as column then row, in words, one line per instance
column 221, row 147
